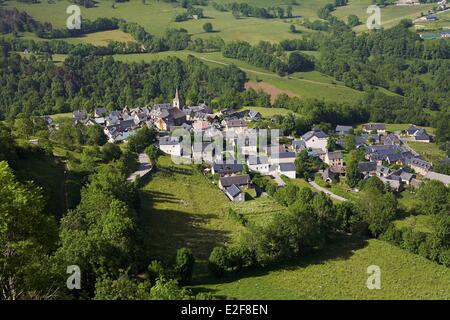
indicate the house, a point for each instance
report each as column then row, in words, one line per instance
column 419, row 166
column 382, row 171
column 78, row 116
column 139, row 118
column 298, row 145
column 316, row 139
column 378, row 127
column 235, row 194
column 287, row 169
column 254, row 115
column 370, row 138
column 100, row 112
column 282, row 157
column 237, row 125
column 367, row 169
column 421, row 135
column 334, row 159
column 343, row 130
column 432, row 18
column 259, row 164
column 411, row 130
column 405, row 176
column 200, row 126
column 227, row 168
column 394, row 182
column 445, row 179
column 242, row 181
column 171, row 145
column 445, row 34
column 328, row 175
column 100, row 121
column 203, row 152
column 392, row 139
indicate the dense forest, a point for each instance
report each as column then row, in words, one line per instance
column 37, row 86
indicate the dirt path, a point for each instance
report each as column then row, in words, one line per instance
column 277, row 76
column 327, row 192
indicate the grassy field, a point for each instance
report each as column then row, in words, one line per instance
column 260, row 210
column 390, row 15
column 430, row 151
column 392, row 127
column 268, row 113
column 303, row 84
column 156, row 17
column 183, row 209
column 421, row 223
column 102, row 38
column 339, row 272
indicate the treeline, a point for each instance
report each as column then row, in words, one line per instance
column 104, row 237
column 432, row 201
column 37, row 86
column 268, row 56
column 394, row 59
column 247, row 10
column 308, row 224
column 11, row 20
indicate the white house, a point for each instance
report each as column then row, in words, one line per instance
column 171, row 145
column 316, row 139
column 259, row 164
column 287, row 169
column 282, row 157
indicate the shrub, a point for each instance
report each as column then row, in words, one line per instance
column 218, row 261
column 184, row 265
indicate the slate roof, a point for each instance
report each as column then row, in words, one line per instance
column 287, row 167
column 233, row 191
column 314, row 133
column 335, row 155
column 258, row 160
column 374, row 126
column 228, row 168
column 237, row 123
column 367, row 166
column 343, row 129
column 237, row 180
column 419, row 163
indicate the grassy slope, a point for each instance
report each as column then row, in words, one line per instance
column 390, row 15
column 339, row 272
column 305, row 84
column 430, row 151
column 183, row 209
column 48, row 173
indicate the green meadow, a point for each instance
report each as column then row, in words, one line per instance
column 339, row 272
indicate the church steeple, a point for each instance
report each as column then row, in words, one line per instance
column 176, row 100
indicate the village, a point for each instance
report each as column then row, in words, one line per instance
column 387, row 155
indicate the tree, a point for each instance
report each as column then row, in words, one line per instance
column 208, row 27
column 153, row 153
column 218, row 261
column 434, row 198
column 377, row 209
column 353, row 20
column 95, row 135
column 122, row 288
column 292, row 28
column 111, row 151
column 184, row 265
column 351, row 171
column 27, row 235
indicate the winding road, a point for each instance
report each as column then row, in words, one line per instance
column 327, row 192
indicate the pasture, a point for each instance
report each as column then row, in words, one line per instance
column 339, row 272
